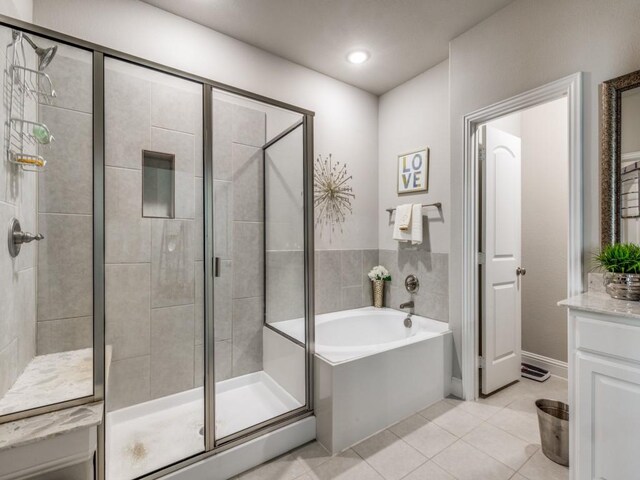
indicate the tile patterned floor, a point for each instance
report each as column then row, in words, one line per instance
column 495, row 438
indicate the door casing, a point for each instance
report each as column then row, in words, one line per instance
column 571, row 88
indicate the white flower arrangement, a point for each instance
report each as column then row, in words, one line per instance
column 379, row 273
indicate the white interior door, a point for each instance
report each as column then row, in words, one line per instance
column 501, row 275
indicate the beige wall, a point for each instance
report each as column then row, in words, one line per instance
column 412, row 116
column 20, row 9
column 523, row 46
column 415, row 115
column 545, row 204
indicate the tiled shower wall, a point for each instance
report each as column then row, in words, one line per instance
column 238, row 136
column 65, row 208
column 17, row 275
column 154, row 266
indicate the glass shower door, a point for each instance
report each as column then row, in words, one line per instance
column 258, row 231
column 154, row 272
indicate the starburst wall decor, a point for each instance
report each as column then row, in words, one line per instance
column 332, row 193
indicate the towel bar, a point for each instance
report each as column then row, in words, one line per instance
column 437, row 205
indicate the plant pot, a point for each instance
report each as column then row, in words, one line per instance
column 623, row 286
column 377, row 288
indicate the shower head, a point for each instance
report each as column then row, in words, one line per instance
column 45, row 55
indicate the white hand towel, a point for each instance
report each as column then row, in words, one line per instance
column 416, row 224
column 403, row 216
column 414, row 233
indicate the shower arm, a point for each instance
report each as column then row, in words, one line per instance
column 33, row 45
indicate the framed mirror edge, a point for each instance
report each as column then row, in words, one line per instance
column 610, row 154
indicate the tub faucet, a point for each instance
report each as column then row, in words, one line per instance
column 407, row 321
column 408, row 304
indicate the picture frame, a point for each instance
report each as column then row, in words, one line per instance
column 413, row 171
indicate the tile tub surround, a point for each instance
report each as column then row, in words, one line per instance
column 341, row 281
column 154, row 269
column 490, row 439
column 432, row 270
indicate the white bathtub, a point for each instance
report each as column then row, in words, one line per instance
column 371, row 371
column 350, row 334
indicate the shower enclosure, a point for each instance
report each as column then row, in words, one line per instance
column 176, row 224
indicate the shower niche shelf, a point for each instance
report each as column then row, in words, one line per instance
column 158, row 184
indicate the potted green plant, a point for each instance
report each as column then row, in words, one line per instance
column 378, row 275
column 621, row 264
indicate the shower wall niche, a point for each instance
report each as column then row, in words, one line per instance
column 154, row 266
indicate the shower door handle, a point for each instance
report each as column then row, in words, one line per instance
column 216, row 266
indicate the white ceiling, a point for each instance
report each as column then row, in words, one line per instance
column 404, row 37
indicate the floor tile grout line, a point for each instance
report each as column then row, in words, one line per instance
column 371, row 465
column 497, row 459
column 420, row 466
column 537, row 446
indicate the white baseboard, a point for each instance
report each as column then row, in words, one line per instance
column 555, row 367
column 456, row 387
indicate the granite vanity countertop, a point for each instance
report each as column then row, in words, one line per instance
column 599, row 302
column 41, row 427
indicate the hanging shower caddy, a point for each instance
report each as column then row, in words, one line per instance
column 24, row 138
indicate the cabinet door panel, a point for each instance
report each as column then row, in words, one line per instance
column 608, row 414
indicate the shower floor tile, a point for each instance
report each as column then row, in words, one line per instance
column 151, row 435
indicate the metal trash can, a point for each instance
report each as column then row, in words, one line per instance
column 553, row 419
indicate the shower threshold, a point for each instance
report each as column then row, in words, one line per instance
column 150, row 435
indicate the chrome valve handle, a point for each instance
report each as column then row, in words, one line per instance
column 17, row 237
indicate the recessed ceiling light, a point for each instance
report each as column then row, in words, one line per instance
column 358, row 56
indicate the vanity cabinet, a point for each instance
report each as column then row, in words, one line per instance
column 604, row 393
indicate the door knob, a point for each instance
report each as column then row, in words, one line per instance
column 521, row 271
